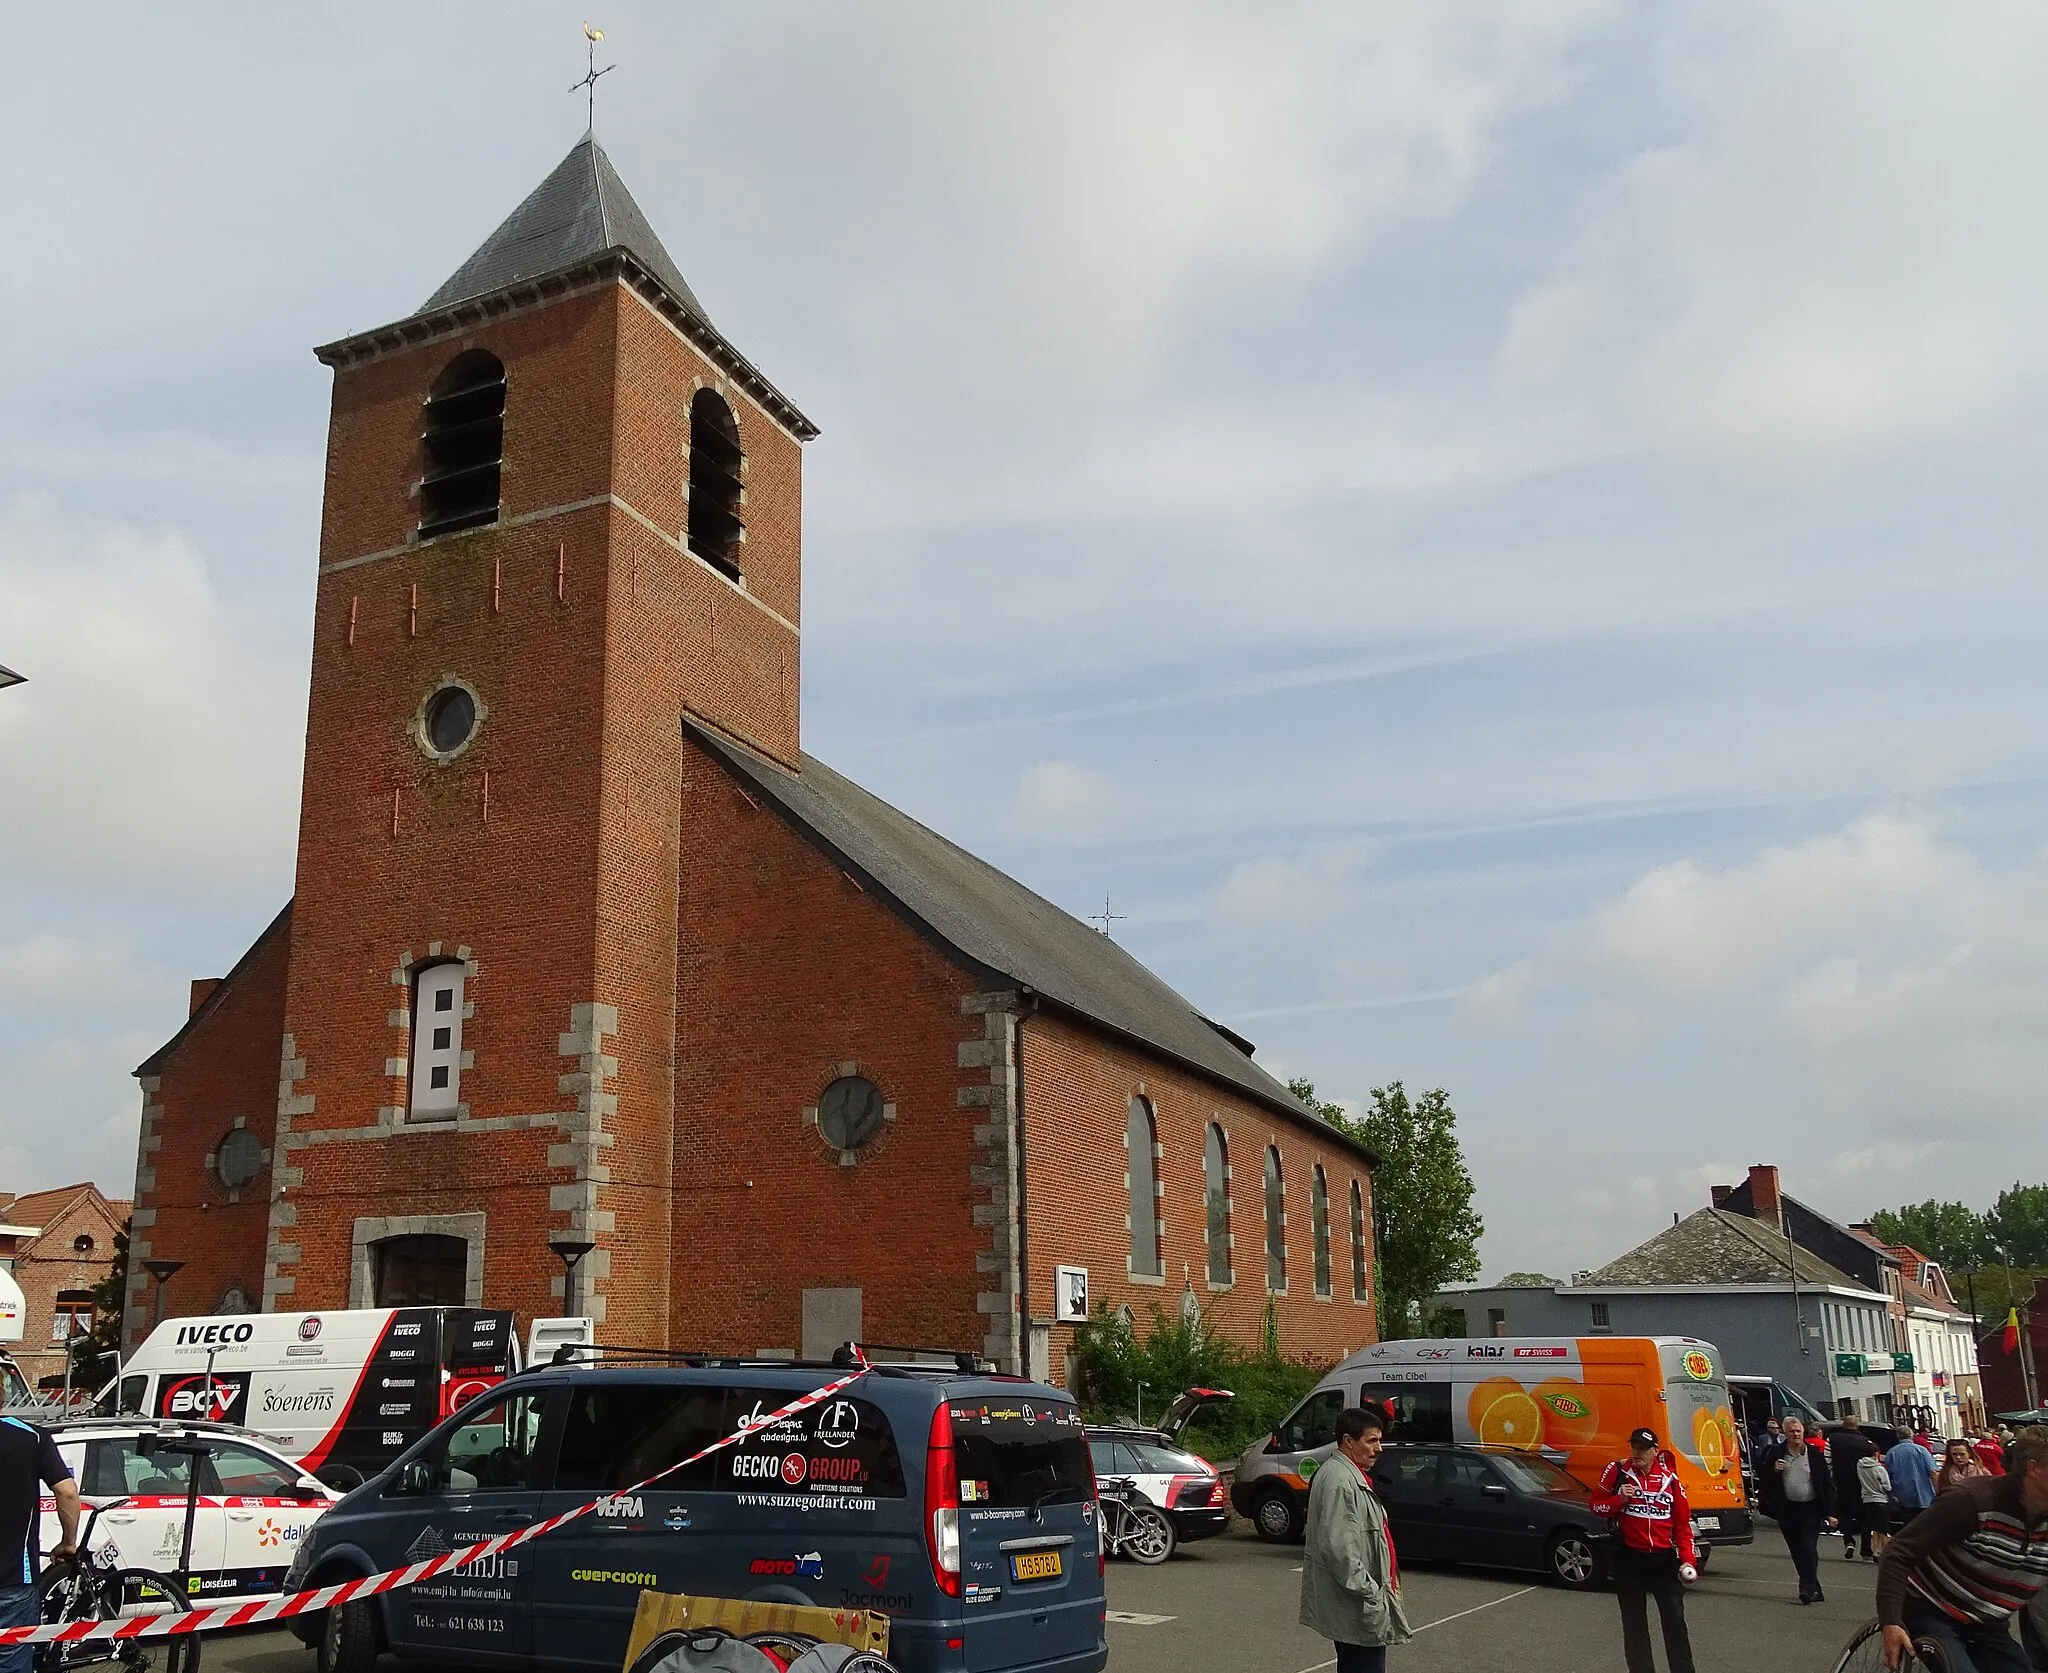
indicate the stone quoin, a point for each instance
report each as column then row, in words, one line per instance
column 584, row 947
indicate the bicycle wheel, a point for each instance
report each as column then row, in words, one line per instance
column 86, row 1593
column 1864, row 1653
column 1152, row 1538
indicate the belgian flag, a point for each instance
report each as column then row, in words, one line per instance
column 2009, row 1338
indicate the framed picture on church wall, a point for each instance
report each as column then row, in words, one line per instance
column 1070, row 1290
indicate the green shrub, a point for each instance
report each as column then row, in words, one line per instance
column 1178, row 1353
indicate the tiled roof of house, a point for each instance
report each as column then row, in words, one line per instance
column 1714, row 1246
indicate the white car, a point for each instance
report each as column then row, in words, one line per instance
column 254, row 1504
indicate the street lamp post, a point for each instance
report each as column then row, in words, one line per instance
column 162, row 1272
column 571, row 1251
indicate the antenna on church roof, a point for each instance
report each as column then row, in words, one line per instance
column 1103, row 919
column 589, row 82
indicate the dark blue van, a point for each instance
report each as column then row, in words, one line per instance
column 959, row 1503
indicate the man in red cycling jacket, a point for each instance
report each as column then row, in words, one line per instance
column 1654, row 1553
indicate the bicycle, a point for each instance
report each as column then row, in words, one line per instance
column 92, row 1586
column 1864, row 1653
column 1132, row 1525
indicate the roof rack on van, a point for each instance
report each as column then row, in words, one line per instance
column 846, row 1357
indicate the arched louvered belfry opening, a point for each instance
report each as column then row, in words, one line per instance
column 462, row 443
column 717, row 523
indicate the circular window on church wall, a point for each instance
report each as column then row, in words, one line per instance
column 447, row 721
column 238, row 1159
column 851, row 1115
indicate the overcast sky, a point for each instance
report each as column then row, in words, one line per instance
column 1505, row 537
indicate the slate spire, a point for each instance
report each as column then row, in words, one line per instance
column 579, row 211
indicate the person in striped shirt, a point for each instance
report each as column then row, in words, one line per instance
column 1967, row 1564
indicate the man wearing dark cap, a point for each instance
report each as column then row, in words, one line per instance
column 1653, row 1553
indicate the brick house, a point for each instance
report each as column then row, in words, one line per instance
column 54, row 1241
column 585, row 947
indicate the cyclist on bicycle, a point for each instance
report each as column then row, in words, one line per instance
column 1967, row 1564
column 29, row 1462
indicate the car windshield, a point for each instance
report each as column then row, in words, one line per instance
column 1537, row 1475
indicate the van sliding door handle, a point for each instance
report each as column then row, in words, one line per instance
column 519, row 1516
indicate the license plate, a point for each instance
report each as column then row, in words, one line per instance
column 1711, row 1523
column 1035, row 1565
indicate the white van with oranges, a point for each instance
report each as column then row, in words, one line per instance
column 1573, row 1399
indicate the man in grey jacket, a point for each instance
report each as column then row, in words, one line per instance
column 1350, row 1581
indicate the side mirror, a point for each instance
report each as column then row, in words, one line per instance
column 416, row 1477
column 1493, row 1490
column 308, row 1491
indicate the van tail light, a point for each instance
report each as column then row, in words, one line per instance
column 942, row 1502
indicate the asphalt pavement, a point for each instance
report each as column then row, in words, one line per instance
column 1229, row 1604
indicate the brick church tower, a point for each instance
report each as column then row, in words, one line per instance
column 585, row 948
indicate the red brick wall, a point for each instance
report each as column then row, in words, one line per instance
column 787, row 970
column 48, row 1264
column 224, row 1070
column 1077, row 1091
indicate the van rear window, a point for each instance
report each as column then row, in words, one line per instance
column 619, row 1433
column 1022, row 1453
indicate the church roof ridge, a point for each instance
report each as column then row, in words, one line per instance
column 998, row 926
column 580, row 211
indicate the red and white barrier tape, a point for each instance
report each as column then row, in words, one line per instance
column 325, row 1597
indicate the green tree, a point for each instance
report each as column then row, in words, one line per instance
column 1952, row 1233
column 1424, row 1223
column 2018, row 1224
column 109, row 1296
column 1529, row 1281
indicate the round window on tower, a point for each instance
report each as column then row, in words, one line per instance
column 449, row 718
column 238, row 1159
column 851, row 1115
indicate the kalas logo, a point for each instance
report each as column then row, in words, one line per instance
column 309, row 1327
column 794, row 1469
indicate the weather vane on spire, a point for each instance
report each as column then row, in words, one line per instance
column 589, row 81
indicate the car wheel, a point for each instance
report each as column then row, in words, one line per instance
column 1275, row 1518
column 348, row 1638
column 1573, row 1561
column 343, row 1478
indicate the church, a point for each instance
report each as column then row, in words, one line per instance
column 596, row 994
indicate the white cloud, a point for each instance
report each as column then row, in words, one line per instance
column 1288, row 892
column 1832, row 252
column 1063, row 802
column 1686, row 927
column 1882, row 985
column 150, row 742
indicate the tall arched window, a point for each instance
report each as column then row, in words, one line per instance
column 1359, row 1288
column 1319, row 1226
column 1141, row 1136
column 463, row 444
column 716, row 525
column 1276, row 1222
column 1216, row 1202
column 436, row 1041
